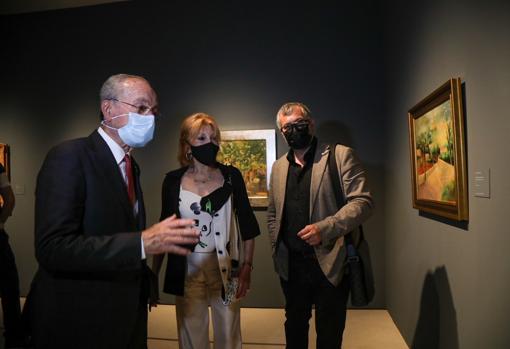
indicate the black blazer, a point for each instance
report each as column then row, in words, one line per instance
column 248, row 226
column 90, row 282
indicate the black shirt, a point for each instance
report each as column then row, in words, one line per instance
column 296, row 210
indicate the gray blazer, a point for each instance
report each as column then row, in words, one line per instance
column 332, row 222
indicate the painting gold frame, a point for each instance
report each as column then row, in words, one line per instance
column 438, row 157
column 253, row 152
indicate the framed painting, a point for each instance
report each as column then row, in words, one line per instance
column 438, row 158
column 253, row 153
column 5, row 161
column 4, row 158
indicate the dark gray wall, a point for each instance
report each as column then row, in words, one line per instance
column 25, row 6
column 448, row 285
column 236, row 62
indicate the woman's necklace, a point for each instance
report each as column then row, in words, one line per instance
column 199, row 179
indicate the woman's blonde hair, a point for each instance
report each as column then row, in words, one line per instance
column 190, row 128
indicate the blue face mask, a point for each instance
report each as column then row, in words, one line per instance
column 138, row 131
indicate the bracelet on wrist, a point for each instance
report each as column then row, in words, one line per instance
column 248, row 264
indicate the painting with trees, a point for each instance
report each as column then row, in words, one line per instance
column 253, row 153
column 434, row 155
column 437, row 153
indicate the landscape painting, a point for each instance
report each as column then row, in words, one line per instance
column 436, row 132
column 253, row 153
column 435, row 158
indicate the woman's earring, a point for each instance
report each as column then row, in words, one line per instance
column 189, row 156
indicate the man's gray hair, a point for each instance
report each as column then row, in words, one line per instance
column 288, row 109
column 109, row 90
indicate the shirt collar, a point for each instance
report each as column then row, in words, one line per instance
column 309, row 154
column 117, row 151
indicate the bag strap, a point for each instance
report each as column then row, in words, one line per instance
column 338, row 188
column 235, row 263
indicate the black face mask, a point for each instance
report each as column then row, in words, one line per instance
column 298, row 135
column 205, row 153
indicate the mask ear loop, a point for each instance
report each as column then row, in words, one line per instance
column 103, row 122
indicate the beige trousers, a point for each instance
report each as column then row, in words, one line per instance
column 202, row 288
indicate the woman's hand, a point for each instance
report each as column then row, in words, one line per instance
column 244, row 280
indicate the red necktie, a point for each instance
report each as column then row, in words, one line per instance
column 130, row 179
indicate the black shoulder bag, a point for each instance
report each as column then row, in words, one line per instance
column 361, row 278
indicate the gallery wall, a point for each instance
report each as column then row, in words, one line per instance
column 448, row 284
column 236, row 61
column 26, row 6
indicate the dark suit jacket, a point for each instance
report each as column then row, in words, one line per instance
column 90, row 284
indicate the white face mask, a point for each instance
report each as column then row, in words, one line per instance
column 138, row 131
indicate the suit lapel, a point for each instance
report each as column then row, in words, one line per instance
column 281, row 185
column 318, row 169
column 105, row 163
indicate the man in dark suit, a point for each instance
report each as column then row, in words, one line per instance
column 93, row 285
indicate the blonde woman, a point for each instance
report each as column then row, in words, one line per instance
column 216, row 273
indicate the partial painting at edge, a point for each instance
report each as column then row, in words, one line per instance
column 4, row 160
column 435, row 155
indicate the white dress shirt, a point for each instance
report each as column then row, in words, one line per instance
column 119, row 154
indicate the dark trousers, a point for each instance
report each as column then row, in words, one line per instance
column 138, row 338
column 50, row 337
column 9, row 291
column 307, row 286
column 139, row 335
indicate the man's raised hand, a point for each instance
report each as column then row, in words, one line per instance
column 169, row 236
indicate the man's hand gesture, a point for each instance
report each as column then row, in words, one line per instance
column 169, row 235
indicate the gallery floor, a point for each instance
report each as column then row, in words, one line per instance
column 263, row 329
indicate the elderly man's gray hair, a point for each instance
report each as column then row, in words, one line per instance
column 109, row 90
column 288, row 109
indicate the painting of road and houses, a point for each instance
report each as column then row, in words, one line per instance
column 435, row 155
column 438, row 156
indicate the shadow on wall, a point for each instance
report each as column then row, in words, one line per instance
column 459, row 224
column 437, row 322
column 333, row 132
